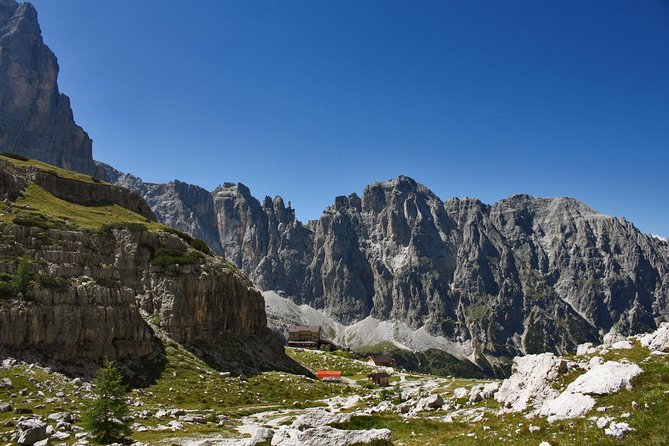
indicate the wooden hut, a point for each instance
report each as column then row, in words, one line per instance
column 379, row 378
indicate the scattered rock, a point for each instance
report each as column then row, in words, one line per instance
column 583, row 349
column 199, row 419
column 621, row 345
column 5, row 407
column 602, row 422
column 7, row 383
column 618, row 430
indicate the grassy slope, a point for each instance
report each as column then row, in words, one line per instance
column 190, row 384
column 42, row 208
column 50, row 168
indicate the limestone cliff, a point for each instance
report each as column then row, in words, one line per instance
column 76, row 289
column 35, row 118
column 523, row 275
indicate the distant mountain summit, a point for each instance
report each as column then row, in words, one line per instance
column 35, row 118
column 523, row 275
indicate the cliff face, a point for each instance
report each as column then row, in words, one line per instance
column 35, row 118
column 523, row 275
column 88, row 292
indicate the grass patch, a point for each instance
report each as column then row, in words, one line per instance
column 22, row 161
column 38, row 207
column 193, row 242
column 166, row 257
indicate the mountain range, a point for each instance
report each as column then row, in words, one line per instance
column 489, row 281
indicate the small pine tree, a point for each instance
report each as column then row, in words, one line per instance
column 104, row 418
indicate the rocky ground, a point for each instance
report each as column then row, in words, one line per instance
column 615, row 393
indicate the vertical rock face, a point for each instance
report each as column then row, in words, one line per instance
column 86, row 291
column 523, row 275
column 263, row 238
column 179, row 205
column 35, row 118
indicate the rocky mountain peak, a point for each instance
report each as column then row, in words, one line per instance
column 19, row 18
column 36, row 120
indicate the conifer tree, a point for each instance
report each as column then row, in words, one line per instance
column 104, row 418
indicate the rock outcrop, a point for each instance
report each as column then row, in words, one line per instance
column 524, row 275
column 86, row 294
column 35, row 118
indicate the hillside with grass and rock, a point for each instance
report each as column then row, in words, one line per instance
column 396, row 265
column 86, row 268
column 616, row 393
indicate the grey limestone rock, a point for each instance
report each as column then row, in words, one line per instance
column 35, row 118
column 524, row 275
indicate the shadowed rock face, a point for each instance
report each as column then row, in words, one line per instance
column 35, row 118
column 523, row 275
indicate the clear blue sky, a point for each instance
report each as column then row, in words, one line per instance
column 313, row 99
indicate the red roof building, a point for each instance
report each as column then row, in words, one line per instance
column 329, row 375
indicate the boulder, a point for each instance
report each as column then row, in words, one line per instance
column 261, row 437
column 483, row 392
column 605, row 378
column 460, row 392
column 612, row 338
column 30, row 431
column 326, row 435
column 621, row 345
column 319, row 418
column 618, row 430
column 583, row 349
column 658, row 340
column 530, row 383
column 430, row 402
column 567, row 405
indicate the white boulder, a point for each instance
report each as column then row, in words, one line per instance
column 327, row 435
column 567, row 405
column 460, row 392
column 319, row 418
column 621, row 345
column 658, row 340
column 430, row 403
column 483, row 392
column 583, row 349
column 261, row 436
column 605, row 378
column 612, row 338
column 618, row 430
column 530, row 383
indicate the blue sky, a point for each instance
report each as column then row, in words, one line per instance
column 313, row 99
